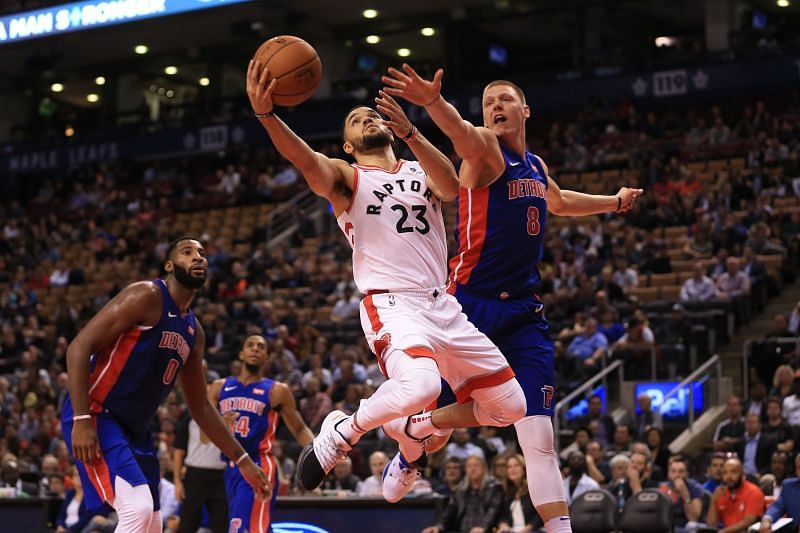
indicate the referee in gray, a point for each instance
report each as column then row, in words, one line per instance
column 201, row 482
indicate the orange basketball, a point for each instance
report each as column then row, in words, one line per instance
column 296, row 66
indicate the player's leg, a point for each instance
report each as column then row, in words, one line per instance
column 156, row 523
column 240, row 501
column 134, row 506
column 529, row 349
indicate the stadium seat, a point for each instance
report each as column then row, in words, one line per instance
column 594, row 511
column 648, row 511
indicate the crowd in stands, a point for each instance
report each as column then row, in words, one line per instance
column 68, row 249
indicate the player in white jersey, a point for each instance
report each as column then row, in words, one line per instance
column 390, row 212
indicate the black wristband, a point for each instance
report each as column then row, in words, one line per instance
column 264, row 115
column 619, row 203
column 410, row 134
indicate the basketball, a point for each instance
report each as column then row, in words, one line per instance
column 296, row 66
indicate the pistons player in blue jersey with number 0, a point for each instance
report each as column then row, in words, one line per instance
column 504, row 197
column 251, row 403
column 120, row 368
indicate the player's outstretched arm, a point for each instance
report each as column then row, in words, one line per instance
column 321, row 172
column 282, row 400
column 442, row 177
column 469, row 141
column 575, row 204
column 193, row 382
column 137, row 304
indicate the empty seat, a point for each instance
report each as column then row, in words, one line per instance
column 648, row 511
column 594, row 511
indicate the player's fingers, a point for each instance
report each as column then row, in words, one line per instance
column 395, row 92
column 263, row 77
column 391, row 101
column 412, row 74
column 437, row 78
column 397, row 73
column 392, row 82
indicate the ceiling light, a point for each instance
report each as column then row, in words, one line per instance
column 428, row 32
column 171, row 70
column 57, row 87
column 170, row 93
column 373, row 39
column 69, row 132
column 783, row 3
column 140, row 49
column 369, row 13
column 99, row 80
column 665, row 41
column 92, row 97
column 404, row 52
column 205, row 82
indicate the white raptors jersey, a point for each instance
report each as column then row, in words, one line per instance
column 394, row 225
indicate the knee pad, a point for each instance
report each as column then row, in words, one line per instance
column 535, row 436
column 424, row 386
column 417, row 375
column 501, row 405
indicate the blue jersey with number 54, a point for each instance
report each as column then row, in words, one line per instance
column 500, row 230
column 256, row 424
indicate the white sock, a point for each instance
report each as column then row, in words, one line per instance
column 421, row 426
column 559, row 524
column 350, row 430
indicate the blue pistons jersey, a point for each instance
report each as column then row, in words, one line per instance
column 131, row 378
column 500, row 230
column 257, row 422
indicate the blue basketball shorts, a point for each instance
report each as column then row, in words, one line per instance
column 521, row 332
column 124, row 454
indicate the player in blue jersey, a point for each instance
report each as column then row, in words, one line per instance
column 120, row 368
column 503, row 201
column 251, row 403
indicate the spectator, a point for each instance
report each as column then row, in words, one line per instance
column 461, row 446
column 610, row 326
column 729, row 432
column 582, row 437
column 601, row 425
column 453, row 474
column 686, row 495
column 517, row 514
column 788, row 503
column 755, row 449
column 342, row 478
column 646, row 418
column 794, row 320
column 734, row 285
column 674, row 337
column 771, row 482
column 776, row 427
column 588, row 346
column 346, row 307
column 782, row 382
column 658, row 448
column 698, row 288
column 629, row 477
column 475, row 505
column 714, row 472
column 737, row 503
column 622, row 441
column 598, row 469
column 791, row 404
column 316, row 405
column 10, row 478
column 577, row 482
column 755, row 403
column 372, row 485
column 500, row 468
column 74, row 516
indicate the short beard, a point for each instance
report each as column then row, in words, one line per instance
column 253, row 369
column 374, row 140
column 186, row 279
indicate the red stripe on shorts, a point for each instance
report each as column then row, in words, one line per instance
column 483, row 382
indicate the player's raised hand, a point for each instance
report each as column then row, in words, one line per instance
column 255, row 477
column 398, row 121
column 407, row 84
column 260, row 87
column 628, row 197
column 85, row 446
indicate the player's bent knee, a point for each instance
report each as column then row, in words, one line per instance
column 501, row 405
column 536, row 434
column 423, row 388
column 134, row 506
